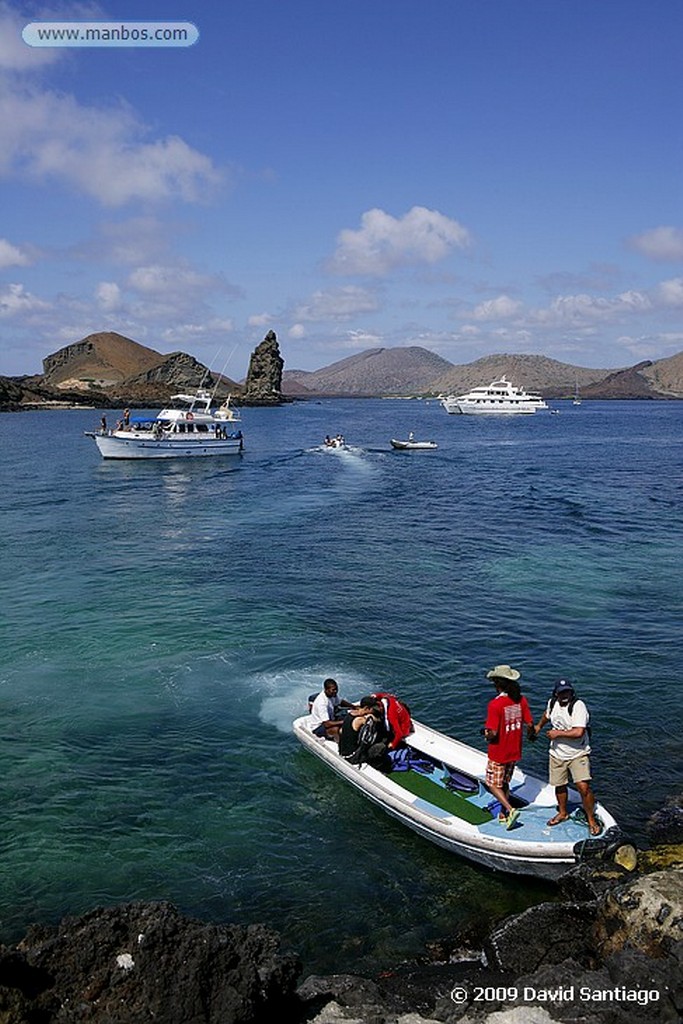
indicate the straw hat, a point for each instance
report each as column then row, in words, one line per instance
column 503, row 672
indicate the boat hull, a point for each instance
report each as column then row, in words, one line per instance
column 531, row 849
column 413, row 445
column 475, row 409
column 113, row 447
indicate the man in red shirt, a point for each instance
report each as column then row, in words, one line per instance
column 506, row 716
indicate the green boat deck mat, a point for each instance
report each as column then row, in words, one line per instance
column 455, row 804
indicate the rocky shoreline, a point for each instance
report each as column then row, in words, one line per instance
column 609, row 951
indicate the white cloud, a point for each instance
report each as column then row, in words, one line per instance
column 108, row 295
column 103, row 152
column 16, row 301
column 212, row 329
column 134, row 241
column 362, row 340
column 261, row 320
column 663, row 244
column 296, row 331
column 580, row 309
column 12, row 256
column 173, row 283
column 15, row 55
column 671, row 292
column 338, row 304
column 384, row 243
column 500, row 308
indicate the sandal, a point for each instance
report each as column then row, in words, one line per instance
column 558, row 819
column 512, row 818
column 595, row 829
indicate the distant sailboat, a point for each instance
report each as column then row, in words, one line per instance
column 576, row 400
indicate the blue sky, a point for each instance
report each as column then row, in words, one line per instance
column 472, row 176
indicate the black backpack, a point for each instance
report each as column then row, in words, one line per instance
column 372, row 746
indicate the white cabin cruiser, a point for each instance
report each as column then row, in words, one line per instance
column 190, row 428
column 500, row 397
column 444, row 799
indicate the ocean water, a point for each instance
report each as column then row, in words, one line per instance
column 162, row 624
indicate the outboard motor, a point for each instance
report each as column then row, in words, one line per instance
column 614, row 845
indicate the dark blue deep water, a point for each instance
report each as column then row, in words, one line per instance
column 163, row 623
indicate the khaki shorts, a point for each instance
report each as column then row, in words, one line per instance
column 579, row 769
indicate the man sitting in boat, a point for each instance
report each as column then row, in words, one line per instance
column 324, row 718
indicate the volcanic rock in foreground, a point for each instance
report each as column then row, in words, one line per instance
column 145, row 962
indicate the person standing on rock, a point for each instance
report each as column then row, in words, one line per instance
column 569, row 749
column 506, row 716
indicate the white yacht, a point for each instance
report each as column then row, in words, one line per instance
column 190, row 428
column 499, row 397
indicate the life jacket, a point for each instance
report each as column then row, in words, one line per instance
column 398, row 718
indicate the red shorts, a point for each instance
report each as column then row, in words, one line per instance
column 498, row 774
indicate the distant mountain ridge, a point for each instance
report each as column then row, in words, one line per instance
column 417, row 371
column 107, row 369
column 375, row 371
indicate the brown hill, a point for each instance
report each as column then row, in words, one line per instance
column 628, row 383
column 666, row 375
column 107, row 369
column 174, row 373
column 377, row 371
column 100, row 360
column 535, row 373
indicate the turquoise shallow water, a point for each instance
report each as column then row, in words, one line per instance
column 163, row 624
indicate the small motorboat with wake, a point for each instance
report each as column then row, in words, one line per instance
column 190, row 428
column 438, row 790
column 412, row 445
column 334, row 442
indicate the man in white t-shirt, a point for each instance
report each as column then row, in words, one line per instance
column 324, row 721
column 569, row 749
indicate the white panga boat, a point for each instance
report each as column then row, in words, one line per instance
column 190, row 428
column 444, row 799
column 499, row 397
column 412, row 444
